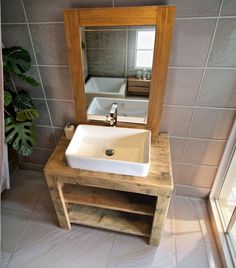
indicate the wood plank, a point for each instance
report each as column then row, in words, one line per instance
column 162, row 206
column 138, row 90
column 109, row 199
column 58, row 201
column 165, row 27
column 142, row 15
column 110, row 220
column 75, row 56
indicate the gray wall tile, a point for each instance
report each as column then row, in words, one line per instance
column 204, row 152
column 113, row 39
column 182, row 86
column 52, row 10
column 184, row 8
column 113, row 57
column 44, row 116
column 212, row 123
column 177, row 148
column 57, row 82
column 62, row 112
column 92, row 39
column 191, row 42
column 45, row 137
column 193, row 8
column 197, row 192
column 94, row 57
column 49, row 42
column 176, row 120
column 35, row 92
column 58, row 133
column 223, row 49
column 38, row 156
column 17, row 35
column 219, row 89
column 12, row 11
column 175, row 171
column 199, row 176
column 229, row 8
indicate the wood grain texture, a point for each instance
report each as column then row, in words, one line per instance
column 110, row 199
column 75, row 56
column 142, row 15
column 159, row 177
column 160, row 16
column 165, row 27
column 113, row 201
column 58, row 201
column 111, row 220
column 162, row 206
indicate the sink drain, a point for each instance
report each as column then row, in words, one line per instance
column 109, row 152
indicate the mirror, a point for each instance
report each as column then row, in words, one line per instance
column 117, row 63
column 85, row 62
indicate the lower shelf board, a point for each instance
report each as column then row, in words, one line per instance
column 110, row 220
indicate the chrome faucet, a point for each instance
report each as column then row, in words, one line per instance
column 112, row 117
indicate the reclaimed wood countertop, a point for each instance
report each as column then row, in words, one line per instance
column 159, row 178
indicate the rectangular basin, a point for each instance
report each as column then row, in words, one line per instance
column 132, row 150
column 105, row 87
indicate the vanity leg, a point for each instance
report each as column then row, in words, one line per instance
column 162, row 206
column 55, row 189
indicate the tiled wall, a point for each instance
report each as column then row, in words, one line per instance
column 200, row 98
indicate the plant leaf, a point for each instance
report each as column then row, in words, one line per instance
column 22, row 101
column 20, row 135
column 27, row 114
column 16, row 60
column 28, row 79
column 7, row 98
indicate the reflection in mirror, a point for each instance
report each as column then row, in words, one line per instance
column 117, row 65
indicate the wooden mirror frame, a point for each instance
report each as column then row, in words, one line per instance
column 160, row 16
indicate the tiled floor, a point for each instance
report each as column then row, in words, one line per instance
column 31, row 237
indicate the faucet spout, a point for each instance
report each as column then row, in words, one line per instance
column 112, row 118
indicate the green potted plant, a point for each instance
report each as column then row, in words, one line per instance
column 19, row 109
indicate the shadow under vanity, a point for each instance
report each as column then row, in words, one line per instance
column 105, row 54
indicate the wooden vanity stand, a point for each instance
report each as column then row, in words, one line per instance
column 128, row 204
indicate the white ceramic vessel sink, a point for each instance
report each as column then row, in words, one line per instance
column 131, row 150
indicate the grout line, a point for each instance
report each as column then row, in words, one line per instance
column 170, row 67
column 199, row 90
column 194, row 164
column 164, row 105
column 199, row 106
column 202, row 67
column 51, row 65
column 49, row 126
column 126, row 52
column 196, row 138
column 191, row 186
column 49, row 99
column 113, row 5
column 36, row 60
